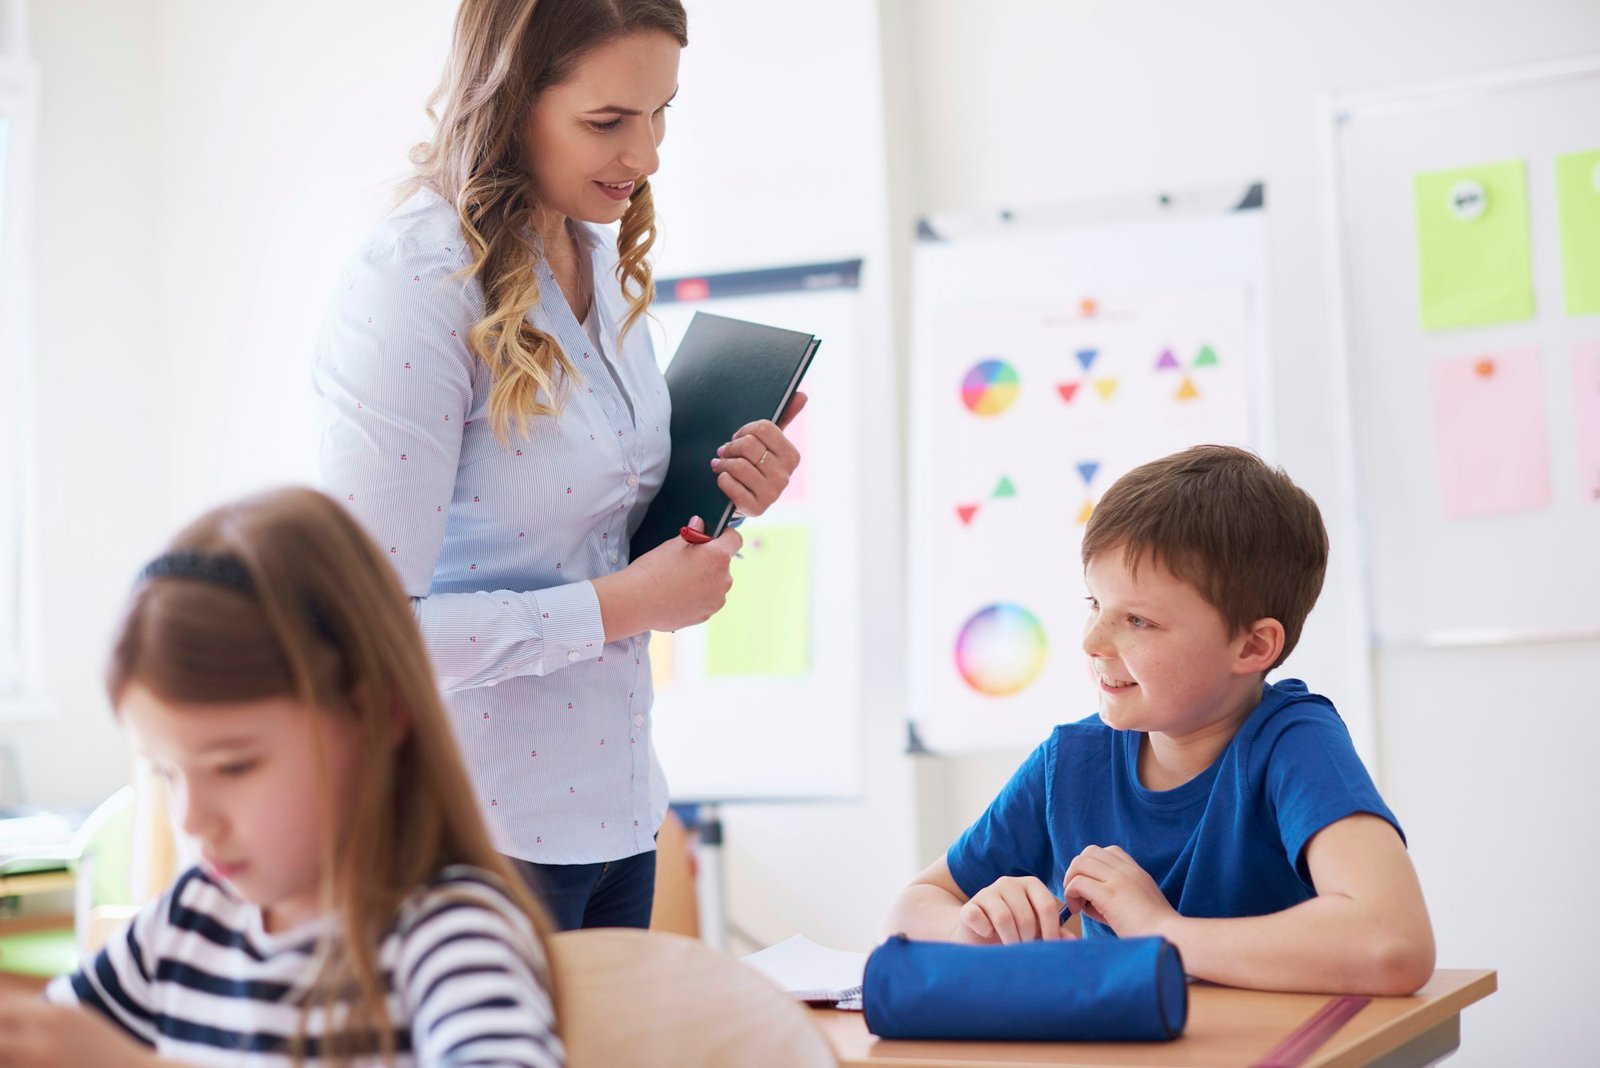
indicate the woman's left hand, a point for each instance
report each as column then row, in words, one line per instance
column 756, row 465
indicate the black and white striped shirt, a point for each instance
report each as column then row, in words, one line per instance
column 198, row 978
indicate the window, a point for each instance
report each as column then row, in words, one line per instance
column 18, row 601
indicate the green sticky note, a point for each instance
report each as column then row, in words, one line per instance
column 765, row 626
column 1578, row 200
column 1473, row 257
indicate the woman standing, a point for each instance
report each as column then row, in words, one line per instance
column 494, row 415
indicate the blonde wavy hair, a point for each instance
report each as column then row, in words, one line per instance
column 325, row 622
column 504, row 54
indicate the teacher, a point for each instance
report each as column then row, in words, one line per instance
column 493, row 414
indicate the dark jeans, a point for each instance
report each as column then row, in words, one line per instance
column 614, row 893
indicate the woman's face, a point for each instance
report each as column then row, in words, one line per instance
column 593, row 137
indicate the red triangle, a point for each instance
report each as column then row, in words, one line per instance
column 1067, row 389
column 966, row 512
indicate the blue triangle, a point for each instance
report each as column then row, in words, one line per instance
column 1087, row 469
column 1086, row 357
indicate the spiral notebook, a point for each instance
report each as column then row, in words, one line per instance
column 811, row 973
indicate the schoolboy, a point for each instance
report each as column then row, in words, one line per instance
column 1228, row 814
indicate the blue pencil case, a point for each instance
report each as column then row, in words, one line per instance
column 1083, row 990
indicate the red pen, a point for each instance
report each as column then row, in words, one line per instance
column 693, row 536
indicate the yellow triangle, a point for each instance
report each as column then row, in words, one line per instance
column 1187, row 390
column 1085, row 512
column 1106, row 386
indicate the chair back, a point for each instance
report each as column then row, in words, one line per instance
column 646, row 998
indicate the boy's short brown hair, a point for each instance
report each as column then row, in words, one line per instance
column 1220, row 518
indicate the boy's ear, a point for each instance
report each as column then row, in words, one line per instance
column 1259, row 647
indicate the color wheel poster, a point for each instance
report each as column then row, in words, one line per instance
column 1028, row 414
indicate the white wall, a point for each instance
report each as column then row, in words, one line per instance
column 1023, row 102
column 283, row 128
column 101, row 417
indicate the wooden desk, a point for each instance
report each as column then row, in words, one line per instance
column 1227, row 1027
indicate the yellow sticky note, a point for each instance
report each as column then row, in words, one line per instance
column 765, row 626
column 1578, row 200
column 1474, row 263
column 661, row 654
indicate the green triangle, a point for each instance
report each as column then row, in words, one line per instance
column 1004, row 489
column 1207, row 358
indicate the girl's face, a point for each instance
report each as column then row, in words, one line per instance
column 245, row 786
column 592, row 138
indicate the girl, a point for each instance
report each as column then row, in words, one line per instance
column 494, row 415
column 348, row 906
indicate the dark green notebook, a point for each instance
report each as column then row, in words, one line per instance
column 726, row 373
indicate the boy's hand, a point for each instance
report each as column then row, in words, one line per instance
column 1011, row 909
column 41, row 1035
column 1106, row 884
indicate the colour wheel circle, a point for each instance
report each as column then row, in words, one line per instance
column 1001, row 649
column 990, row 387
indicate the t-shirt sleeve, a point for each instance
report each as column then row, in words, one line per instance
column 117, row 983
column 1314, row 778
column 1012, row 836
column 470, row 967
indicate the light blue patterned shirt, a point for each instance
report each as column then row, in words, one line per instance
column 497, row 544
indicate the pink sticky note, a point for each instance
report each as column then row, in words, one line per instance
column 1489, row 433
column 1586, row 396
column 799, row 432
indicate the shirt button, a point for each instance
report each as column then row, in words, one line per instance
column 638, row 721
column 613, row 556
column 574, row 656
column 633, row 480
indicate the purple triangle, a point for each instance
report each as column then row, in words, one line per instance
column 1168, row 361
column 1087, row 469
column 1086, row 357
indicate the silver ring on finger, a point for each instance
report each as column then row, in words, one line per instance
column 764, row 454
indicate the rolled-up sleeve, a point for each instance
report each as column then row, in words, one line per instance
column 394, row 384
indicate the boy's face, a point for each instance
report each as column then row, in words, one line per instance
column 1164, row 659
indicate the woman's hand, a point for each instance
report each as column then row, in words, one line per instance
column 754, row 468
column 674, row 585
column 41, row 1035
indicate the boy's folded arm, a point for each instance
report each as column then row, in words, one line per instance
column 1366, row 932
column 929, row 908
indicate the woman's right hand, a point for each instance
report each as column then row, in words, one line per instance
column 674, row 585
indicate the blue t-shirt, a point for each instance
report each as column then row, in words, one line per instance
column 1229, row 842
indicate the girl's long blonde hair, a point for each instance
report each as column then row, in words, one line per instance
column 504, row 54
column 325, row 621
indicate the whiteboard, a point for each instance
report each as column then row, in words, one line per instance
column 775, row 713
column 1484, row 628
column 1437, row 576
column 1052, row 352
